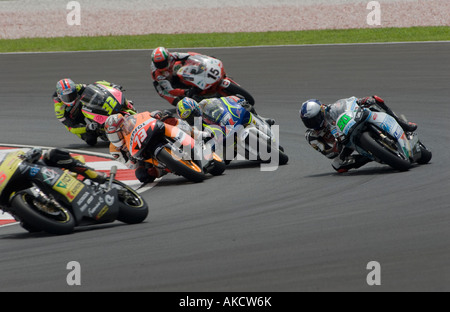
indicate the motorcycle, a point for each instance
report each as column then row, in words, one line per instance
column 99, row 102
column 242, row 135
column 169, row 148
column 207, row 75
column 52, row 200
column 377, row 136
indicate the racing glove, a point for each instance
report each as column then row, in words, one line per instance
column 320, row 145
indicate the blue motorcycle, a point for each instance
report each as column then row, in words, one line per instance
column 240, row 134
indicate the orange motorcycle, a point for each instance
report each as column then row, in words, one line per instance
column 169, row 148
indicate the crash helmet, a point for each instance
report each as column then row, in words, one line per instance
column 161, row 58
column 188, row 109
column 311, row 114
column 113, row 129
column 66, row 90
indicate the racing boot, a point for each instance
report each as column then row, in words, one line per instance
column 345, row 161
column 406, row 126
column 252, row 110
column 90, row 137
column 146, row 173
column 61, row 158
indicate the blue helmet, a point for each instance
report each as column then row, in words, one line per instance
column 311, row 114
column 188, row 109
column 66, row 90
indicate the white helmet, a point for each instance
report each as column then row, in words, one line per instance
column 311, row 114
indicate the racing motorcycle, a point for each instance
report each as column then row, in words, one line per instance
column 243, row 135
column 377, row 136
column 169, row 148
column 99, row 102
column 207, row 76
column 52, row 200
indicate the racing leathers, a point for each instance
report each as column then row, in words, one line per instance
column 61, row 158
column 72, row 117
column 166, row 81
column 219, row 119
column 144, row 171
column 324, row 142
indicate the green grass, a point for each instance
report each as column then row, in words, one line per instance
column 226, row 39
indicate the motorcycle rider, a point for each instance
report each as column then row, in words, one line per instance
column 319, row 121
column 187, row 109
column 214, row 114
column 61, row 158
column 164, row 67
column 67, row 104
column 116, row 125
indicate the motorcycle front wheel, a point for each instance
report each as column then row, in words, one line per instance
column 384, row 152
column 132, row 207
column 48, row 218
column 216, row 166
column 186, row 168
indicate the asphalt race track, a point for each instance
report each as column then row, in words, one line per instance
column 300, row 228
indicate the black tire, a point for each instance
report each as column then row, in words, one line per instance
column 217, row 167
column 385, row 154
column 186, row 168
column 282, row 158
column 132, row 207
column 234, row 89
column 426, row 155
column 23, row 207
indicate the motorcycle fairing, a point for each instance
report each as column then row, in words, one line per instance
column 101, row 100
column 388, row 124
column 201, row 71
column 8, row 168
column 104, row 208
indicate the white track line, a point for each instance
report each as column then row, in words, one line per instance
column 241, row 47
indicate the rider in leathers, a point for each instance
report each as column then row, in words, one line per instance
column 216, row 117
column 144, row 171
column 319, row 119
column 164, row 67
column 67, row 104
column 61, row 158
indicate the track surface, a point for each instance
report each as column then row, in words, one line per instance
column 300, row 228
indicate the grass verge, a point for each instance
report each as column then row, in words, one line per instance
column 226, row 39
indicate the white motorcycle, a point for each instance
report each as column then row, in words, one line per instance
column 207, row 75
column 377, row 136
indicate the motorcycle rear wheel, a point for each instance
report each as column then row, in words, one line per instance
column 132, row 207
column 385, row 154
column 186, row 168
column 234, row 89
column 59, row 221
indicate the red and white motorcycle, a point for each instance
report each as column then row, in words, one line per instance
column 207, row 75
